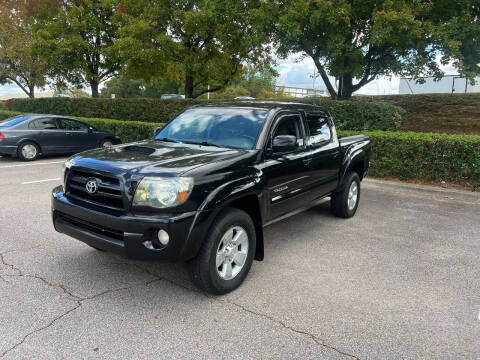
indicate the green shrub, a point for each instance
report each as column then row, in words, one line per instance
column 425, row 156
column 351, row 115
column 5, row 114
column 127, row 131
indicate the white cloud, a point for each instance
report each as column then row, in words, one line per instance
column 9, row 89
column 298, row 72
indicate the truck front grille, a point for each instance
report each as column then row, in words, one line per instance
column 109, row 193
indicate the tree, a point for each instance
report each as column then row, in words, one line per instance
column 124, row 87
column 258, row 81
column 202, row 43
column 356, row 41
column 18, row 64
column 460, row 34
column 79, row 42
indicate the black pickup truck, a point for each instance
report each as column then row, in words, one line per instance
column 204, row 187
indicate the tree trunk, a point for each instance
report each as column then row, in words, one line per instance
column 325, row 78
column 345, row 87
column 94, row 87
column 31, row 92
column 188, row 85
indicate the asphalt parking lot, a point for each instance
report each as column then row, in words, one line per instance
column 401, row 280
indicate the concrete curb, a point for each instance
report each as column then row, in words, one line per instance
column 469, row 196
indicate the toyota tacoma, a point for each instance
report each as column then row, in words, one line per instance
column 202, row 190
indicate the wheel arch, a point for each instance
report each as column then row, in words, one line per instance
column 251, row 205
column 23, row 141
column 106, row 137
column 354, row 161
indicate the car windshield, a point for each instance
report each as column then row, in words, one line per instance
column 236, row 128
column 15, row 120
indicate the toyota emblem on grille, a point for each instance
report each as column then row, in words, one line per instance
column 91, row 186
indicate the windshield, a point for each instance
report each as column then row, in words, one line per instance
column 236, row 128
column 15, row 120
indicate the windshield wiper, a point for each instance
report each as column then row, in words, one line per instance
column 167, row 140
column 203, row 143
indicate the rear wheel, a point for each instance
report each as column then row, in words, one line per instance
column 28, row 151
column 226, row 256
column 345, row 203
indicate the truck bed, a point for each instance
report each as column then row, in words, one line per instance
column 346, row 141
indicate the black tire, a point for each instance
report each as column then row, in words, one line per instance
column 202, row 269
column 106, row 143
column 24, row 145
column 339, row 202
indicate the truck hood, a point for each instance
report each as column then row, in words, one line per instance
column 153, row 157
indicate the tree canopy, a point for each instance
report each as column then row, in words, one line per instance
column 124, row 87
column 357, row 41
column 18, row 64
column 202, row 43
column 79, row 42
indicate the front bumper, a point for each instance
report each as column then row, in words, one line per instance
column 126, row 234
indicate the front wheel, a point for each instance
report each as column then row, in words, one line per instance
column 226, row 255
column 106, row 143
column 344, row 204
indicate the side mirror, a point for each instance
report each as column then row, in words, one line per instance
column 90, row 129
column 157, row 130
column 283, row 143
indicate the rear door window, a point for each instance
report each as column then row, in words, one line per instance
column 319, row 129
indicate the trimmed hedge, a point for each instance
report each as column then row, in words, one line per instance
column 425, row 156
column 127, row 130
column 5, row 114
column 405, row 155
column 351, row 115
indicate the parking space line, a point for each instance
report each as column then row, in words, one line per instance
column 35, row 164
column 40, row 181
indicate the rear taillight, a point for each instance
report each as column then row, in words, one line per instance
column 2, row 136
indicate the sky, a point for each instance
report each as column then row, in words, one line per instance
column 297, row 71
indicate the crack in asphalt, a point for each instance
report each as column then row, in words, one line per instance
column 3, row 262
column 79, row 303
column 78, row 300
column 316, row 339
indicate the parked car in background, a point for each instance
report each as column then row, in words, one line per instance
column 29, row 136
column 203, row 189
column 244, row 98
column 172, row 96
column 61, row 96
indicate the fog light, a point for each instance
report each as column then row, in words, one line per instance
column 163, row 237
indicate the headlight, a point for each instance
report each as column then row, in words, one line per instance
column 66, row 165
column 162, row 192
